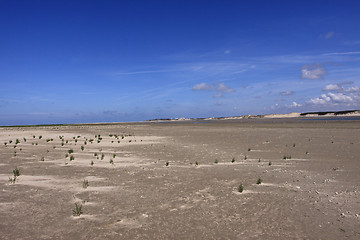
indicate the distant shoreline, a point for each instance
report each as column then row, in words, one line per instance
column 345, row 113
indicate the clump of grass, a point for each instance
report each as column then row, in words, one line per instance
column 24, row 139
column 114, row 155
column 102, row 156
column 85, row 183
column 111, row 161
column 259, row 160
column 216, row 161
column 66, row 155
column 270, row 163
column 70, row 151
column 78, row 210
column 42, row 159
column 249, row 149
column 167, row 164
column 72, row 158
column 5, row 143
column 17, row 141
column 82, row 148
column 40, row 137
column 10, row 141
column 92, row 162
column 245, row 158
column 233, row 160
column 240, row 188
column 16, row 172
column 12, row 180
column 259, row 181
column 196, row 163
column 287, row 157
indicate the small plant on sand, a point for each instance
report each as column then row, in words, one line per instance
column 5, row 143
column 42, row 159
column 10, row 141
column 233, row 160
column 40, row 137
column 216, row 161
column 270, row 163
column 259, row 181
column 92, row 162
column 72, row 158
column 259, row 160
column 294, row 145
column 14, row 153
column 66, row 155
column 17, row 141
column 196, row 163
column 16, row 172
column 287, row 157
column 114, row 155
column 85, row 183
column 111, row 161
column 167, row 164
column 70, row 151
column 245, row 158
column 249, row 149
column 82, row 148
column 102, row 156
column 33, row 136
column 78, row 210
column 240, row 188
column 24, row 139
column 12, row 180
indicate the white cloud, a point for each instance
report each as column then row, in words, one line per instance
column 340, row 97
column 203, row 87
column 340, row 88
column 287, row 93
column 295, row 104
column 323, row 99
column 315, row 71
column 332, row 87
column 352, row 89
column 335, row 99
column 223, row 88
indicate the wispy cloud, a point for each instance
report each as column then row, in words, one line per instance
column 352, row 42
column 329, row 35
column 286, row 93
column 143, row 72
column 223, row 88
column 341, row 53
column 203, row 87
column 315, row 71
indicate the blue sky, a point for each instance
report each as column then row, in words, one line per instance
column 110, row 61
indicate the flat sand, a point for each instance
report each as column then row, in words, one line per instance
column 179, row 180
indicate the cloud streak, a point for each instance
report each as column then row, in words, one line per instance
column 315, row 71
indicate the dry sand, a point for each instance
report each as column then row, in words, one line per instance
column 314, row 194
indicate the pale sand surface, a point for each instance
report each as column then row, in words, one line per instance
column 313, row 195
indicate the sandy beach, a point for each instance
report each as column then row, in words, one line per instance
column 180, row 180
